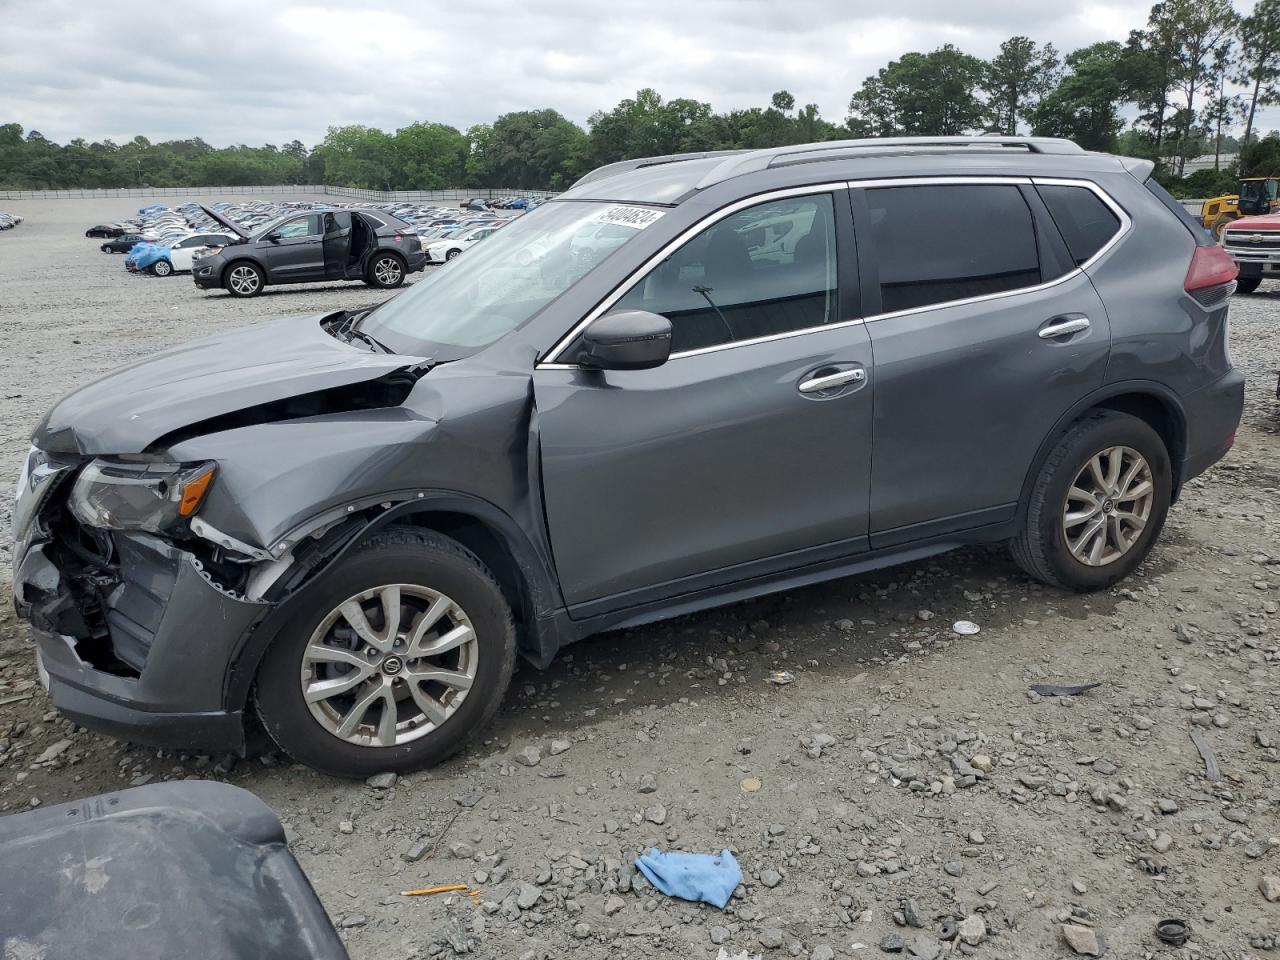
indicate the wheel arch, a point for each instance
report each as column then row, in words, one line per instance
column 523, row 573
column 1153, row 403
column 242, row 258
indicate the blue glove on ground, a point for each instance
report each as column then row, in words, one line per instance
column 705, row 877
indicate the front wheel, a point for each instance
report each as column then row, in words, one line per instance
column 1220, row 224
column 106, row 249
column 162, row 268
column 401, row 656
column 386, row 271
column 1247, row 284
column 244, row 280
column 452, row 254
column 1098, row 504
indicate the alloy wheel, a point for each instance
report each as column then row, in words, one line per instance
column 387, row 271
column 1108, row 505
column 389, row 665
column 243, row 280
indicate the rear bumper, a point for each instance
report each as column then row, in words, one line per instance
column 1212, row 416
column 416, row 262
column 150, row 664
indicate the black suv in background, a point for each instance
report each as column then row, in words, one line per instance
column 318, row 245
column 784, row 366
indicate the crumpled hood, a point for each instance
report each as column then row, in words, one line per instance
column 130, row 408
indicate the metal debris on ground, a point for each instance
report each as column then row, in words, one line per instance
column 1211, row 771
column 428, row 891
column 966, row 628
column 1070, row 690
column 782, row 677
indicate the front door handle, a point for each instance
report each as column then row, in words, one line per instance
column 1064, row 326
column 831, row 380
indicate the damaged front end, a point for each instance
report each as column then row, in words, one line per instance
column 134, row 626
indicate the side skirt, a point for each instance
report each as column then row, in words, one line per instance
column 677, row 605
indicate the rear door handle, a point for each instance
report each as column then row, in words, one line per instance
column 831, row 380
column 1064, row 326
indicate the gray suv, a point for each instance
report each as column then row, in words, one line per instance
column 793, row 365
column 306, row 247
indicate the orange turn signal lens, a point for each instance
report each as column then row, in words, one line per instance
column 193, row 491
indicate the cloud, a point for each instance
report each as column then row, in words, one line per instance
column 245, row 71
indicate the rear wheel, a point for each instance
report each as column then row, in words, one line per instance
column 1098, row 504
column 386, row 271
column 162, row 268
column 1221, row 224
column 244, row 279
column 401, row 656
column 1247, row 284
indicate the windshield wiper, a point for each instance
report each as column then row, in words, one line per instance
column 354, row 334
column 349, row 329
column 706, row 294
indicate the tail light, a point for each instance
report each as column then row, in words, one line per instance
column 1211, row 276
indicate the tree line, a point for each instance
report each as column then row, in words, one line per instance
column 1191, row 78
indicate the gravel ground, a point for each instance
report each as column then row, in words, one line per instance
column 907, row 778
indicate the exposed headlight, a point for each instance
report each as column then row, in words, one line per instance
column 117, row 495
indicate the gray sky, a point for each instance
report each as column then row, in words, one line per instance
column 270, row 71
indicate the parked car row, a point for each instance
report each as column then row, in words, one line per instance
column 9, row 220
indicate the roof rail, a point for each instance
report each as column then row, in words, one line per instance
column 755, row 160
column 622, row 166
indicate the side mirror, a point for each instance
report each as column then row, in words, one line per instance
column 272, row 238
column 626, row 340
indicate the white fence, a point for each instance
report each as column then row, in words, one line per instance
column 398, row 196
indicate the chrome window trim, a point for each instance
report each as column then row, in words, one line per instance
column 1126, row 225
column 622, row 289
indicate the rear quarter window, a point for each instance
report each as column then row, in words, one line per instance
column 1085, row 221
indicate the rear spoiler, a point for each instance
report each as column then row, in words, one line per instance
column 1138, row 168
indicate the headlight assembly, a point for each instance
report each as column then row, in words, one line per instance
column 118, row 495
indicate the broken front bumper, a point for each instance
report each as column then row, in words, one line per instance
column 141, row 651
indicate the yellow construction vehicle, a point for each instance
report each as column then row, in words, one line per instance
column 1257, row 195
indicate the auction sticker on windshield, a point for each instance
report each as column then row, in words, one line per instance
column 637, row 217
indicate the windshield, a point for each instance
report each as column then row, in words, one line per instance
column 498, row 285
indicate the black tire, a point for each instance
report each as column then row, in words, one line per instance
column 161, row 268
column 451, row 254
column 1247, row 284
column 244, row 278
column 107, row 249
column 406, row 556
column 1224, row 220
column 386, row 270
column 1041, row 547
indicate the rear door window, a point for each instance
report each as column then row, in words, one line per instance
column 936, row 243
column 1086, row 223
